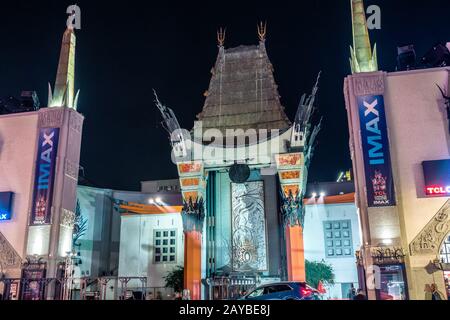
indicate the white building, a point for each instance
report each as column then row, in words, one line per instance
column 332, row 234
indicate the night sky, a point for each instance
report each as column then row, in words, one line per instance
column 125, row 50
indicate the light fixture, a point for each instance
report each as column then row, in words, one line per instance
column 151, row 201
column 314, row 194
column 322, row 194
column 158, row 200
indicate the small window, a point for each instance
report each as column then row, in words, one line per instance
column 165, row 246
column 338, row 240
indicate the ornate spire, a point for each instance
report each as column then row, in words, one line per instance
column 221, row 36
column 362, row 59
column 262, row 31
column 64, row 93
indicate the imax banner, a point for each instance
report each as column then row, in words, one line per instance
column 375, row 145
column 44, row 176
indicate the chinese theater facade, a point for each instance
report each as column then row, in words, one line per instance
column 399, row 144
column 240, row 224
column 39, row 161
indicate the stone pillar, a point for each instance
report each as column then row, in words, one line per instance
column 295, row 253
column 51, row 219
column 192, row 263
column 291, row 171
column 193, row 187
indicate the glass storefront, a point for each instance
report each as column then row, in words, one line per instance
column 392, row 282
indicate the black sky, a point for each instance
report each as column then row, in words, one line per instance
column 126, row 49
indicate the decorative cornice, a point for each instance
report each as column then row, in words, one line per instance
column 67, row 218
column 429, row 240
column 387, row 255
column 51, row 117
column 368, row 84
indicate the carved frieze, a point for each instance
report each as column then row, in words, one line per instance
column 76, row 121
column 9, row 258
column 429, row 240
column 51, row 117
column 368, row 84
column 71, row 169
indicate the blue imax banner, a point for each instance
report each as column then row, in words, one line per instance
column 5, row 205
column 44, row 175
column 377, row 158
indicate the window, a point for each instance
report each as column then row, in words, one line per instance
column 445, row 251
column 256, row 293
column 338, row 239
column 165, row 246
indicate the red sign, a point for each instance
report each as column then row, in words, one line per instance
column 437, row 190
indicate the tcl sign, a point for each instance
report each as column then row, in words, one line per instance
column 437, row 177
column 432, row 191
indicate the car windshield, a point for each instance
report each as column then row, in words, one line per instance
column 256, row 293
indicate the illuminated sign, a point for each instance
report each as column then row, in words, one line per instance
column 5, row 205
column 437, row 177
column 44, row 176
column 375, row 145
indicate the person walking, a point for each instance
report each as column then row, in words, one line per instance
column 428, row 292
column 351, row 292
column 360, row 295
column 436, row 294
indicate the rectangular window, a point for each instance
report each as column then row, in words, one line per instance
column 165, row 246
column 338, row 239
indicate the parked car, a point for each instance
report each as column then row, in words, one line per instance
column 283, row 291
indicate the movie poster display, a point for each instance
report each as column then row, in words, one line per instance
column 44, row 176
column 33, row 282
column 375, row 145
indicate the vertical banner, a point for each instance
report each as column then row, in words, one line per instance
column 375, row 144
column 44, row 176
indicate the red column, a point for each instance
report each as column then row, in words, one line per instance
column 295, row 254
column 193, row 263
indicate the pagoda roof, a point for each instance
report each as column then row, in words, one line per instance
column 242, row 92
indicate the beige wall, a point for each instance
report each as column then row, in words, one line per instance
column 17, row 154
column 418, row 131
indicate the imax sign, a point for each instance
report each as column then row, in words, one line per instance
column 5, row 205
column 375, row 146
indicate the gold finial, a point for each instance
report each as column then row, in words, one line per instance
column 262, row 30
column 221, row 36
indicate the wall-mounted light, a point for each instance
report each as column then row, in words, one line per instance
column 158, row 200
column 151, row 201
column 322, row 194
column 314, row 194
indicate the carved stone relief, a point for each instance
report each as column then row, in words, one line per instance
column 429, row 240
